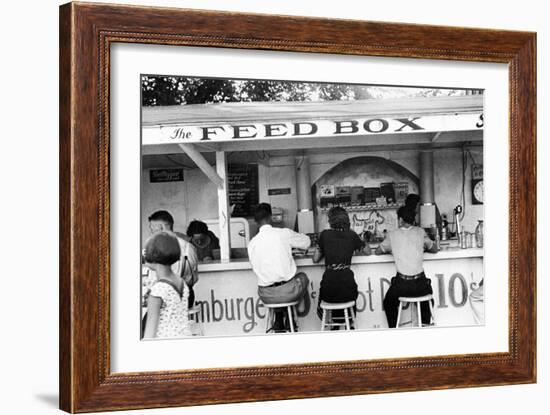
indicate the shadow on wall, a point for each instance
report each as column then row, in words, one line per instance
column 366, row 171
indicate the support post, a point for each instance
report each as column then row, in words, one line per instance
column 223, row 208
column 202, row 164
column 304, row 215
column 426, row 177
column 303, row 183
column 427, row 200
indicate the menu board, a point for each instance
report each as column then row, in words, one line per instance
column 243, row 189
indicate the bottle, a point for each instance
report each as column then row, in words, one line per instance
column 479, row 234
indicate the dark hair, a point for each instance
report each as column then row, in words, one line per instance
column 262, row 212
column 407, row 213
column 338, row 218
column 162, row 216
column 195, row 227
column 412, row 200
column 162, row 248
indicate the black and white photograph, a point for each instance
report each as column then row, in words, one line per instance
column 274, row 207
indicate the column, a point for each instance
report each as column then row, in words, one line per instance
column 427, row 199
column 223, row 208
column 303, row 183
column 304, row 216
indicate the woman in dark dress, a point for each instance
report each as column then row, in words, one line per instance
column 337, row 246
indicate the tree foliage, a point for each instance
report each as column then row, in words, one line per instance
column 176, row 90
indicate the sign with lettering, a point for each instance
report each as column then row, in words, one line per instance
column 280, row 191
column 232, row 307
column 165, row 175
column 166, row 134
column 242, row 182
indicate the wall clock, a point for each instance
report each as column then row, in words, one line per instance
column 477, row 184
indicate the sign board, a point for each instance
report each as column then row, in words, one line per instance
column 243, row 189
column 281, row 191
column 165, row 175
column 233, row 308
column 175, row 134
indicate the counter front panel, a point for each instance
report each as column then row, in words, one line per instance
column 232, row 307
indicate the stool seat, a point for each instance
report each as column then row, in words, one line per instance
column 416, row 299
column 289, row 307
column 337, row 306
column 327, row 320
column 281, row 305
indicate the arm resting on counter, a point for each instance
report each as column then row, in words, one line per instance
column 384, row 247
column 298, row 240
column 317, row 255
column 380, row 251
column 429, row 245
column 366, row 250
column 433, row 249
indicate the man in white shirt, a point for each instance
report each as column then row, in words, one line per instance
column 407, row 244
column 187, row 266
column 270, row 253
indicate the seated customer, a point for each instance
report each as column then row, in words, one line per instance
column 270, row 253
column 337, row 246
column 203, row 239
column 407, row 244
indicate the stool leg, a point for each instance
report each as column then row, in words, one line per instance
column 199, row 323
column 432, row 311
column 290, row 319
column 295, row 315
column 346, row 317
column 323, row 320
column 419, row 313
column 353, row 318
column 267, row 320
column 194, row 325
column 399, row 314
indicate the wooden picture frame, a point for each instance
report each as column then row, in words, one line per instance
column 86, row 33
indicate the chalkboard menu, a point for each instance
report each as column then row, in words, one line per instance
column 243, row 188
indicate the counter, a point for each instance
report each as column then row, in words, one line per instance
column 233, row 308
column 243, row 263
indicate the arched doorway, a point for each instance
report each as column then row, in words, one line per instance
column 368, row 172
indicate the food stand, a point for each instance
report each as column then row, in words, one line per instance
column 304, row 158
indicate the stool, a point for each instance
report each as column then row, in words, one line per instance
column 193, row 315
column 348, row 312
column 289, row 307
column 417, row 301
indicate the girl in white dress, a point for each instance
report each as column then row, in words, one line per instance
column 167, row 301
